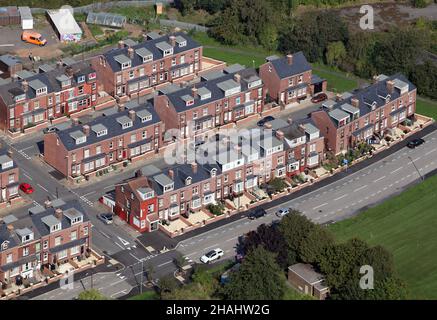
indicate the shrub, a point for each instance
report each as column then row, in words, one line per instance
column 217, row 209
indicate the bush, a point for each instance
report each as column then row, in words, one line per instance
column 277, row 184
column 216, row 209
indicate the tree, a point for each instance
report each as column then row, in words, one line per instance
column 335, row 53
column 166, row 285
column 271, row 238
column 227, row 28
column 92, row 294
column 180, row 262
column 268, row 37
column 258, row 278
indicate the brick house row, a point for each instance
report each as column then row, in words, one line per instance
column 237, row 166
column 9, row 175
column 290, row 79
column 38, row 98
column 221, row 97
column 133, row 132
column 366, row 114
column 47, row 237
column 133, row 69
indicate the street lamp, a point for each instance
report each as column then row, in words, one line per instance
column 420, row 175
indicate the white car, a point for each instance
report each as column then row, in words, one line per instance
column 282, row 212
column 212, row 255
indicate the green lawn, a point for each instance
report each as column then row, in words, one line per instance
column 147, row 295
column 426, row 107
column 407, row 226
column 338, row 81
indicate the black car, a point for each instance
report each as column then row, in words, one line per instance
column 415, row 143
column 264, row 120
column 257, row 213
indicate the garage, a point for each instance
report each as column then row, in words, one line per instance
column 26, row 18
column 65, row 25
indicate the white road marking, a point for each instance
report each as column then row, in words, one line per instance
column 324, row 204
column 163, row 264
column 396, row 170
column 379, row 179
column 29, row 177
column 42, row 187
column 341, row 197
column 360, row 188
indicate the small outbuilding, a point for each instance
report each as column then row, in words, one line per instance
column 26, row 18
column 306, row 280
column 65, row 25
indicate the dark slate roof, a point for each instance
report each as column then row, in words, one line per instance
column 111, row 123
column 374, row 93
column 10, row 60
column 8, row 91
column 150, row 45
column 4, row 158
column 285, row 70
column 213, row 85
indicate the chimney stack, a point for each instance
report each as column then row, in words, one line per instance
column 338, row 97
column 25, row 85
column 172, row 40
column 355, row 102
column 121, row 44
column 194, row 92
column 237, row 77
column 171, row 174
column 86, row 129
column 279, row 134
column 390, row 86
column 75, row 121
column 132, row 115
column 10, row 153
column 120, row 107
column 267, row 125
column 194, row 167
column 10, row 227
column 130, row 52
column 290, row 120
column 69, row 72
column 290, row 59
column 58, row 213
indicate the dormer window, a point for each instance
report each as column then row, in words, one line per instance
column 41, row 91
column 55, row 228
column 387, row 99
column 27, row 238
column 125, row 65
column 168, row 187
column 78, row 136
column 182, row 44
column 146, row 118
column 168, row 52
column 213, row 172
column 103, row 132
column 188, row 181
column 20, row 97
column 92, row 76
column 124, row 61
column 80, row 79
column 7, row 164
column 189, row 100
column 125, row 122
column 76, row 220
column 81, row 140
column 5, row 244
column 148, row 58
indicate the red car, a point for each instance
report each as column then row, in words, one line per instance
column 319, row 98
column 26, row 188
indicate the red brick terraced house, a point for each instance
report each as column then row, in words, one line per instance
column 185, row 188
column 9, row 175
column 136, row 69
column 303, row 144
column 222, row 97
column 41, row 97
column 128, row 135
column 367, row 114
column 289, row 79
column 51, row 237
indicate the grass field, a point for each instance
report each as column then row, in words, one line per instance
column 426, row 107
column 147, row 295
column 407, row 226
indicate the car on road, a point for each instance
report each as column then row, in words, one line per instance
column 264, row 120
column 257, row 213
column 415, row 143
column 282, row 212
column 319, row 98
column 212, row 255
column 106, row 217
column 26, row 188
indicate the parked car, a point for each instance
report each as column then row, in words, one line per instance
column 319, row 98
column 257, row 213
column 415, row 143
column 50, row 129
column 26, row 188
column 212, row 255
column 261, row 122
column 106, row 217
column 33, row 38
column 282, row 212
